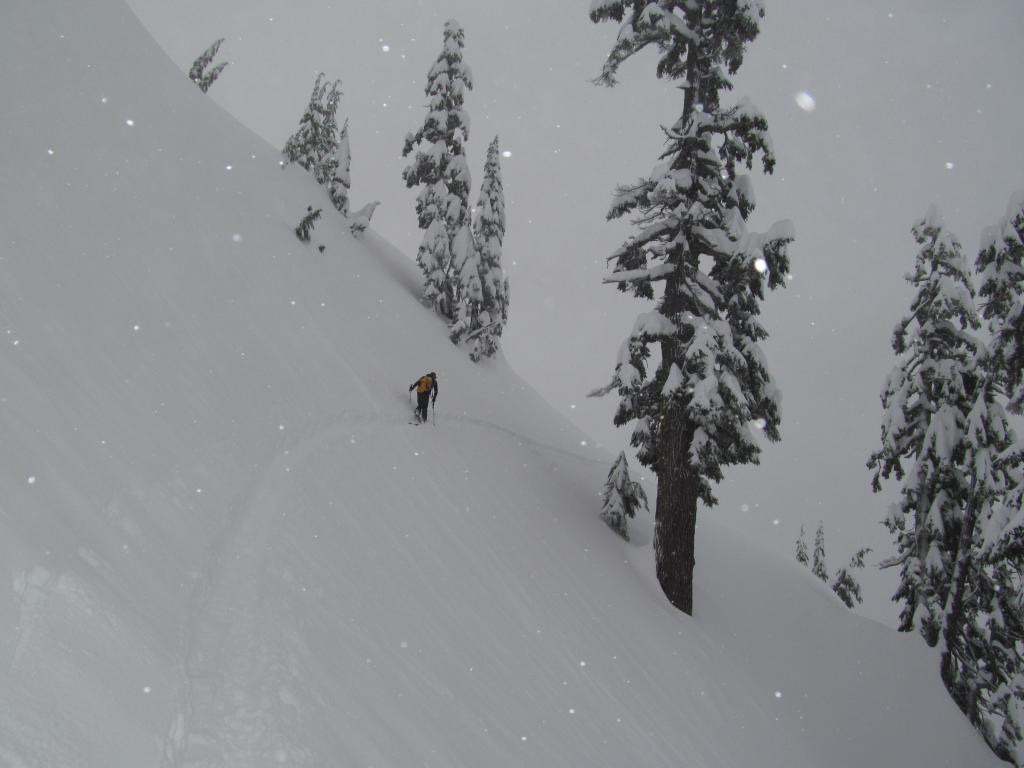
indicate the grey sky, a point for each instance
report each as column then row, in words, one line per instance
column 916, row 101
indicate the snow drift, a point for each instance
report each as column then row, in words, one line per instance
column 225, row 546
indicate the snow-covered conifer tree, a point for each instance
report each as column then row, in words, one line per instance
column 695, row 414
column 982, row 665
column 802, row 556
column 958, row 523
column 846, row 587
column 818, row 567
column 1000, row 266
column 198, row 73
column 482, row 303
column 926, row 401
column 622, row 497
column 314, row 145
column 489, row 231
column 439, row 166
column 469, row 294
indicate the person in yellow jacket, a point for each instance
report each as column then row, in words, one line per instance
column 424, row 386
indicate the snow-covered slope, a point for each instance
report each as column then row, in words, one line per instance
column 223, row 544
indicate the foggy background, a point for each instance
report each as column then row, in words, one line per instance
column 877, row 110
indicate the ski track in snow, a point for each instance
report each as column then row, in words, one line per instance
column 229, row 681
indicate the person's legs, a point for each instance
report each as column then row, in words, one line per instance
column 422, row 401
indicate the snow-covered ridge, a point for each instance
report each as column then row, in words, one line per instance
column 224, row 546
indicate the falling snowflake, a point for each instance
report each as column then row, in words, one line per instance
column 760, row 265
column 950, row 166
column 805, row 101
column 129, row 122
column 506, row 153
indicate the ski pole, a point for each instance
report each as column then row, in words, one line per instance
column 433, row 412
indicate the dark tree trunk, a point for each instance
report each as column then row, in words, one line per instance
column 675, row 516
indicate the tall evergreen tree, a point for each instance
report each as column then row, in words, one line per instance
column 198, row 73
column 622, row 497
column 694, row 414
column 984, row 623
column 482, row 308
column 1000, row 266
column 982, row 663
column 958, row 525
column 818, row 567
column 439, row 166
column 927, row 400
column 489, row 231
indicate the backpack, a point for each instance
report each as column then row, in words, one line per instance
column 425, row 384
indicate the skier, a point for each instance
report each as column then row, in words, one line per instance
column 424, row 385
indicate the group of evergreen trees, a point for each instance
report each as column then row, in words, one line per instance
column 320, row 146
column 460, row 257
column 844, row 584
column 199, row 74
column 948, row 441
column 946, row 434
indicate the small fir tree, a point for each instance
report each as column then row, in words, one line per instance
column 439, row 166
column 802, row 556
column 198, row 73
column 622, row 497
column 926, row 402
column 314, row 145
column 693, row 415
column 818, row 563
column 845, row 585
column 305, row 229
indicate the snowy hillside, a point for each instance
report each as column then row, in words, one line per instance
column 223, row 544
